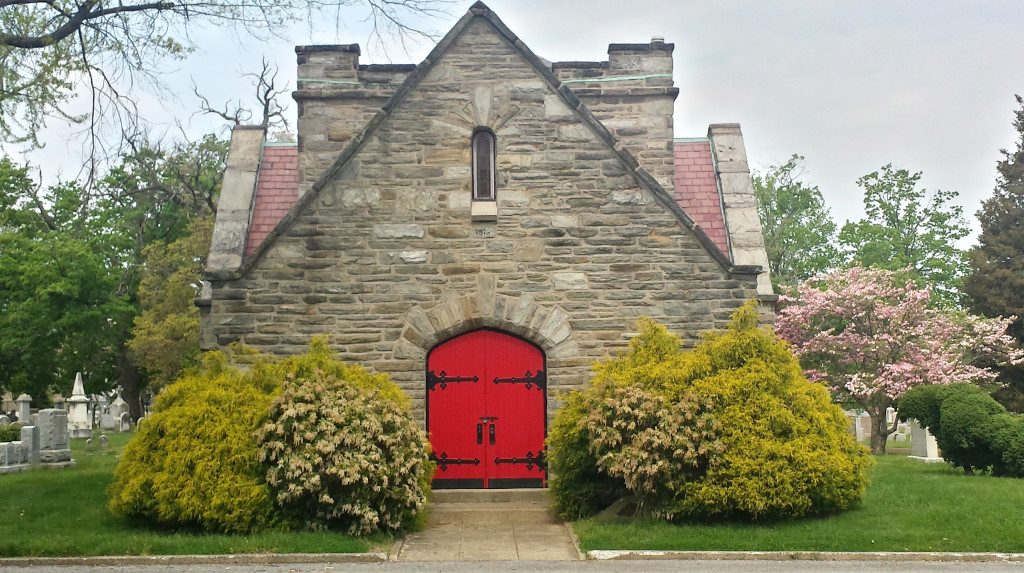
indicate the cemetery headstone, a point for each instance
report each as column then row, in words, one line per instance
column 24, row 407
column 30, row 437
column 864, row 427
column 53, row 436
column 118, row 407
column 922, row 444
column 17, row 453
column 79, row 420
column 104, row 443
column 107, row 420
column 126, row 423
column 4, row 421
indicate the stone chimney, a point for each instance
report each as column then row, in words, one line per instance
column 633, row 96
column 336, row 99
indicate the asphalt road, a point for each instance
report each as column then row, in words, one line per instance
column 554, row 567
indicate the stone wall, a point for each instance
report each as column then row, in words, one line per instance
column 386, row 261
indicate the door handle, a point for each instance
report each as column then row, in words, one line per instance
column 491, row 433
column 479, row 434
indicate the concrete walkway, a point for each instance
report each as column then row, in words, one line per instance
column 489, row 525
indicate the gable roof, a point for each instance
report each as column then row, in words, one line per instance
column 479, row 10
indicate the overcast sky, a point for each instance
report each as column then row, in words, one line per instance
column 927, row 85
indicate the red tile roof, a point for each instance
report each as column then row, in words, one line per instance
column 277, row 189
column 696, row 189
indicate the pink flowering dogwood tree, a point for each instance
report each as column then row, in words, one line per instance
column 871, row 336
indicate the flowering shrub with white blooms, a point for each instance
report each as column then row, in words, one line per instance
column 341, row 453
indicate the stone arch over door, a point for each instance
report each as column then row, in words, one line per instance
column 427, row 326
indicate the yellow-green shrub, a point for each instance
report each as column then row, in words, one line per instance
column 342, row 448
column 193, row 461
column 785, row 450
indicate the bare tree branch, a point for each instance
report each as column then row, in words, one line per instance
column 44, row 214
column 267, row 97
column 48, row 47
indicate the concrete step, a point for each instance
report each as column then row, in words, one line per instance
column 490, row 506
column 491, row 496
column 473, row 513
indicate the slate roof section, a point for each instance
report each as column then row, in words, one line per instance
column 277, row 190
column 696, row 189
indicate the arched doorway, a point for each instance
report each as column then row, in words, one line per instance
column 486, row 404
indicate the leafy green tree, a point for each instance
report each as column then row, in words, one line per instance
column 152, row 197
column 995, row 282
column 51, row 49
column 165, row 338
column 71, row 262
column 908, row 227
column 799, row 232
column 60, row 306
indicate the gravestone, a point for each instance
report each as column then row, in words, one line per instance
column 104, row 443
column 863, row 427
column 126, row 423
column 107, row 420
column 88, row 444
column 53, row 436
column 24, row 407
column 30, row 437
column 79, row 421
column 4, row 421
column 922, row 444
column 17, row 453
column 118, row 407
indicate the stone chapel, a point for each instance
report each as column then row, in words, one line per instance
column 481, row 227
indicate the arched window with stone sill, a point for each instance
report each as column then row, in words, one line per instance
column 485, row 194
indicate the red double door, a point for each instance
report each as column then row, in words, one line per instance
column 486, row 402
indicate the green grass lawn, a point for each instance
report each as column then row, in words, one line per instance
column 64, row 513
column 908, row 506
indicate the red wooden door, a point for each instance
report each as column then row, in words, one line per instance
column 486, row 403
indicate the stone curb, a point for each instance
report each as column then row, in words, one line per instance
column 603, row 555
column 241, row 559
